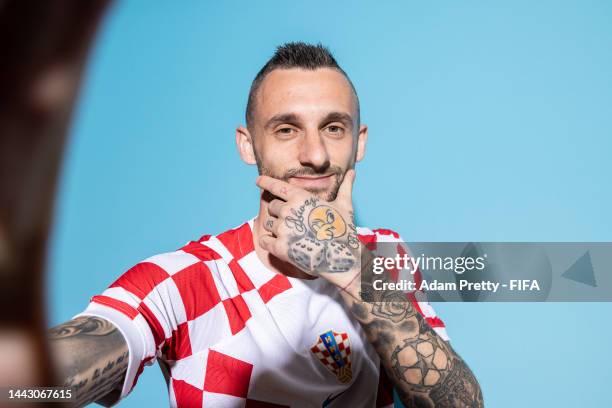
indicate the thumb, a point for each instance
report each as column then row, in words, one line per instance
column 345, row 192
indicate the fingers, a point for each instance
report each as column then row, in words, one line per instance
column 271, row 225
column 274, row 208
column 345, row 192
column 268, row 243
column 277, row 187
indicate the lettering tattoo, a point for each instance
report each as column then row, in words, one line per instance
column 92, row 357
column 269, row 223
column 352, row 240
column 295, row 221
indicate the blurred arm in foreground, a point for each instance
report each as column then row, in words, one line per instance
column 43, row 50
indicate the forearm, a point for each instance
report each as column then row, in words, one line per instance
column 424, row 369
column 91, row 356
column 320, row 238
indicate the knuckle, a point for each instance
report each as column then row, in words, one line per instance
column 284, row 211
column 277, row 206
column 278, row 247
column 271, row 209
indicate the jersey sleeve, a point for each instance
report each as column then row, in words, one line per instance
column 417, row 297
column 146, row 306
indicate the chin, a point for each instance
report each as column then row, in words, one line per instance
column 324, row 194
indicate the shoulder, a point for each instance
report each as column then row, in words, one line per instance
column 207, row 252
column 153, row 270
column 233, row 243
column 368, row 235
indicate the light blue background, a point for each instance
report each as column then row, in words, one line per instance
column 488, row 121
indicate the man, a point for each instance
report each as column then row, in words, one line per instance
column 272, row 313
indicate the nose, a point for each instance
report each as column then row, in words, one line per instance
column 313, row 152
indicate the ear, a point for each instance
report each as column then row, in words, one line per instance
column 244, row 143
column 362, row 138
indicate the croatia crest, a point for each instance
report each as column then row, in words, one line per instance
column 333, row 349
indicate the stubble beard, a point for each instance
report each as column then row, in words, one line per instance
column 337, row 171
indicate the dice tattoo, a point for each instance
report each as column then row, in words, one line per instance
column 339, row 258
column 309, row 254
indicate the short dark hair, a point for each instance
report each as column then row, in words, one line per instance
column 295, row 55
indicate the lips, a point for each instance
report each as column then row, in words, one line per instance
column 313, row 182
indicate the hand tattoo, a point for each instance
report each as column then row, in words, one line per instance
column 352, row 240
column 295, row 221
column 269, row 223
column 326, row 223
column 320, row 242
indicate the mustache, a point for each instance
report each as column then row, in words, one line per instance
column 309, row 171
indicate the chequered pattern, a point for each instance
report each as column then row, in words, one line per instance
column 226, row 384
column 185, row 302
column 192, row 298
column 418, row 298
column 344, row 346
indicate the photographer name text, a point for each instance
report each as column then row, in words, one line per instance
column 461, row 285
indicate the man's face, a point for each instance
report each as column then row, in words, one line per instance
column 305, row 129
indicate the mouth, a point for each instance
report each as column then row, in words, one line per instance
column 314, row 182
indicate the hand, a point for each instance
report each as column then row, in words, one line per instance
column 317, row 236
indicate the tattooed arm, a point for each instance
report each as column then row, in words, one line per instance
column 424, row 368
column 320, row 238
column 92, row 357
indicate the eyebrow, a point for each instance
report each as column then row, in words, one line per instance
column 282, row 118
column 293, row 118
column 343, row 117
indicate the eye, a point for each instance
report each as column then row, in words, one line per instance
column 335, row 130
column 285, row 131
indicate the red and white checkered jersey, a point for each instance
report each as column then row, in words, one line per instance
column 229, row 332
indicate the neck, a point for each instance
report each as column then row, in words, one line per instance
column 270, row 261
